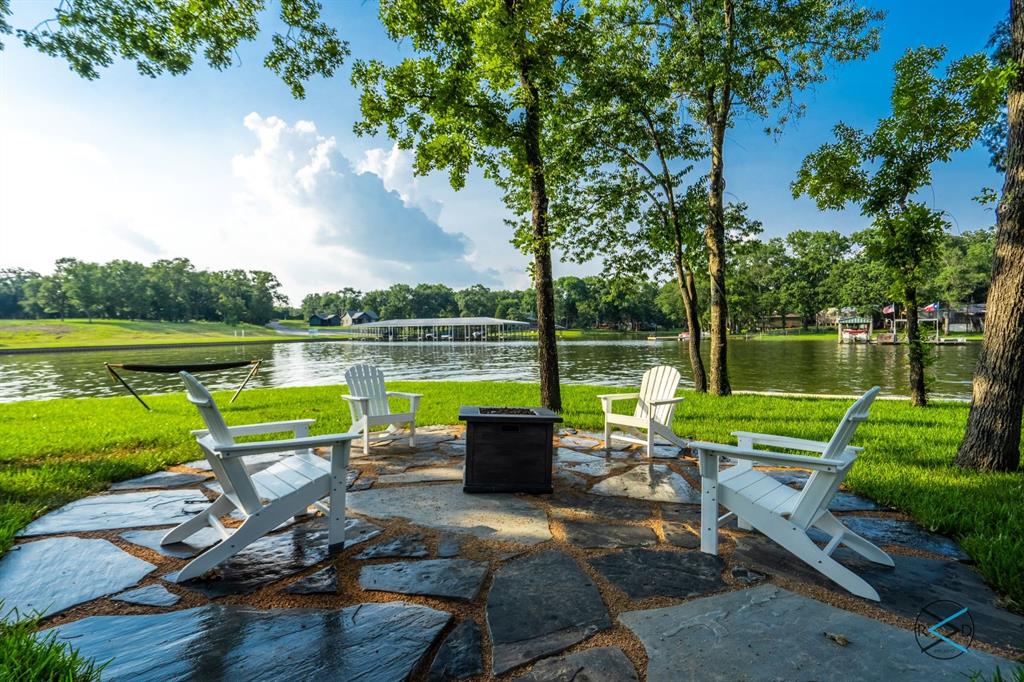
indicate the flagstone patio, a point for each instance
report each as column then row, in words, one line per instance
column 601, row 581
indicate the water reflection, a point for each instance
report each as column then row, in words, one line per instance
column 818, row 366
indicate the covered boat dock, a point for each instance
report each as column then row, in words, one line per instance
column 443, row 329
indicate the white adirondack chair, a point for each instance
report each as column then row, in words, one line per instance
column 368, row 403
column 267, row 498
column 757, row 500
column 656, row 403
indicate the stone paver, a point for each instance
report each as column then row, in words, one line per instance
column 579, row 441
column 460, row 655
column 122, row 510
column 150, row 539
column 366, row 642
column 540, row 605
column 592, row 535
column 410, row 545
column 655, row 482
column 600, row 664
column 644, row 573
column 54, row 574
column 150, row 595
column 448, row 545
column 597, row 469
column 443, row 506
column 324, row 581
column 424, row 475
column 679, row 535
column 903, row 590
column 274, row 557
column 161, row 479
column 767, row 633
column 450, row 578
column 883, row 531
column 564, row 504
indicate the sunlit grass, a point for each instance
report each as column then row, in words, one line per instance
column 55, row 451
column 26, row 656
column 15, row 334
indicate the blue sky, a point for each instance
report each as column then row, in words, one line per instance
column 225, row 168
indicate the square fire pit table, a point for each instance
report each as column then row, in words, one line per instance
column 508, row 449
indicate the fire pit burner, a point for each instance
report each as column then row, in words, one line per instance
column 508, row 449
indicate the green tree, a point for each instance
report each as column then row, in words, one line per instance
column 624, row 153
column 83, row 286
column 162, row 36
column 480, row 90
column 12, row 290
column 932, row 117
column 476, row 301
column 747, row 57
column 434, row 300
column 993, row 435
column 811, row 272
column 964, row 268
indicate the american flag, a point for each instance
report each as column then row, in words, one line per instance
column 932, row 307
column 889, row 309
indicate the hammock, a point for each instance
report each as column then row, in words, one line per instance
column 174, row 369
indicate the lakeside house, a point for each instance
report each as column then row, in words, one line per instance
column 354, row 317
column 318, row 320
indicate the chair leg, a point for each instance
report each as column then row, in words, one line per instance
column 366, row 438
column 412, row 434
column 650, row 442
column 222, row 505
column 833, row 526
column 336, row 515
column 607, row 435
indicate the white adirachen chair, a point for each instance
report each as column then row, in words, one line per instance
column 270, row 497
column 757, row 500
column 656, row 403
column 368, row 403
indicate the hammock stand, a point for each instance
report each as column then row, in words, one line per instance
column 174, row 369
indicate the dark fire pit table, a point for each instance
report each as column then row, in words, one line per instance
column 508, row 449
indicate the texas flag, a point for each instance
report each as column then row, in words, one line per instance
column 931, row 308
column 889, row 309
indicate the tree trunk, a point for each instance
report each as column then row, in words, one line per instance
column 918, row 395
column 714, row 238
column 547, row 349
column 992, row 439
column 688, row 292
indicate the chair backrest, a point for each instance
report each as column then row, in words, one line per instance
column 368, row 381
column 231, row 473
column 821, row 487
column 658, row 383
column 201, row 398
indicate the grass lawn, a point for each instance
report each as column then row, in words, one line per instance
column 16, row 334
column 57, row 450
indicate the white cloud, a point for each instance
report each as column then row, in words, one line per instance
column 395, row 170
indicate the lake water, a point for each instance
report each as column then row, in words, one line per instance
column 818, row 366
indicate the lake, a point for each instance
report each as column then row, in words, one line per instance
column 802, row 366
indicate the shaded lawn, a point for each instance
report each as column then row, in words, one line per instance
column 16, row 334
column 55, row 451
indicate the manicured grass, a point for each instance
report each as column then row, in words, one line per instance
column 16, row 334
column 27, row 657
column 58, row 450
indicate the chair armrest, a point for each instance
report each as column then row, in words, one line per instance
column 666, row 401
column 619, row 396
column 787, row 442
column 400, row 394
column 264, row 447
column 266, row 427
column 354, row 398
column 773, row 458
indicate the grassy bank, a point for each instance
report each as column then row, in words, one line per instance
column 58, row 450
column 23, row 334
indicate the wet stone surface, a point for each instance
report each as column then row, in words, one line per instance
column 735, row 636
column 680, row 536
column 196, row 543
column 904, row 590
column 445, row 507
column 324, row 581
column 275, row 557
column 366, row 642
column 655, row 482
column 54, row 574
column 540, row 605
column 579, row 441
column 410, row 545
column 842, row 502
column 590, row 535
column 601, row 664
column 460, row 655
column 448, row 546
column 121, row 510
column 423, row 475
column 617, row 508
column 643, row 573
column 150, row 595
column 161, row 479
column 449, row 578
column 882, row 531
column 747, row 576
